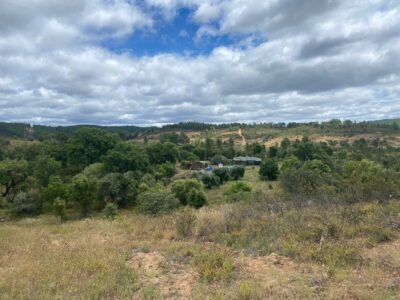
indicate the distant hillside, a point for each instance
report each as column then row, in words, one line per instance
column 41, row 132
column 387, row 121
column 21, row 130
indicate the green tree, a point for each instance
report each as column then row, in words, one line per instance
column 313, row 179
column 44, row 167
column 209, row 147
column 83, row 191
column 165, row 171
column 196, row 198
column 272, row 152
column 87, row 145
column 96, row 170
column 181, row 189
column 269, row 170
column 219, row 158
column 118, row 188
column 291, row 163
column 237, row 172
column 126, row 157
column 222, row 174
column 110, row 211
column 55, row 189
column 230, row 151
column 185, row 155
column 157, row 202
column 210, row 180
column 160, row 153
column 13, row 174
column 59, row 207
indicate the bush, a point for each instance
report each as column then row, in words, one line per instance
column 181, row 189
column 185, row 222
column 239, row 187
column 196, row 198
column 118, row 188
column 59, row 206
column 166, row 170
column 269, row 170
column 239, row 191
column 83, row 190
column 110, row 211
column 26, row 204
column 215, row 266
column 160, row 153
column 237, row 172
column 222, row 174
column 157, row 202
column 217, row 159
column 210, row 181
column 55, row 189
column 126, row 157
column 302, row 182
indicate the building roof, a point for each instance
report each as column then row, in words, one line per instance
column 247, row 158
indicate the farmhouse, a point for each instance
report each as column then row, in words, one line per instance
column 195, row 165
column 247, row 160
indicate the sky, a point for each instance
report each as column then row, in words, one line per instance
column 153, row 62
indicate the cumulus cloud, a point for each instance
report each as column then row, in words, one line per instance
column 317, row 59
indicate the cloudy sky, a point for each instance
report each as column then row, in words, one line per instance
column 149, row 62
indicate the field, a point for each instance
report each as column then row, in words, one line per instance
column 238, row 250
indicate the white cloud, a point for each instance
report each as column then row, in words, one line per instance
column 320, row 60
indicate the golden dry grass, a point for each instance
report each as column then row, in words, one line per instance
column 139, row 257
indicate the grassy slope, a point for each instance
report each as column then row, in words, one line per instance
column 229, row 254
column 387, row 121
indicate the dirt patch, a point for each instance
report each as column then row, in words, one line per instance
column 258, row 265
column 386, row 257
column 393, row 140
column 282, row 278
column 173, row 280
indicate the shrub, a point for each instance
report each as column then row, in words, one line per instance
column 291, row 163
column 160, row 153
column 237, row 172
column 110, row 211
column 181, row 189
column 214, row 266
column 184, row 223
column 185, row 155
column 59, row 206
column 239, row 191
column 217, row 159
column 249, row 290
column 13, row 173
column 312, row 179
column 222, row 174
column 269, row 170
column 165, row 170
column 196, row 198
column 44, row 167
column 83, row 190
column 157, row 202
column 210, row 181
column 126, row 157
column 26, row 204
column 55, row 189
column 238, row 187
column 118, row 188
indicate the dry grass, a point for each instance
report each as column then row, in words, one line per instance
column 139, row 257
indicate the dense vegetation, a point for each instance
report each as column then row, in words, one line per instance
column 319, row 202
